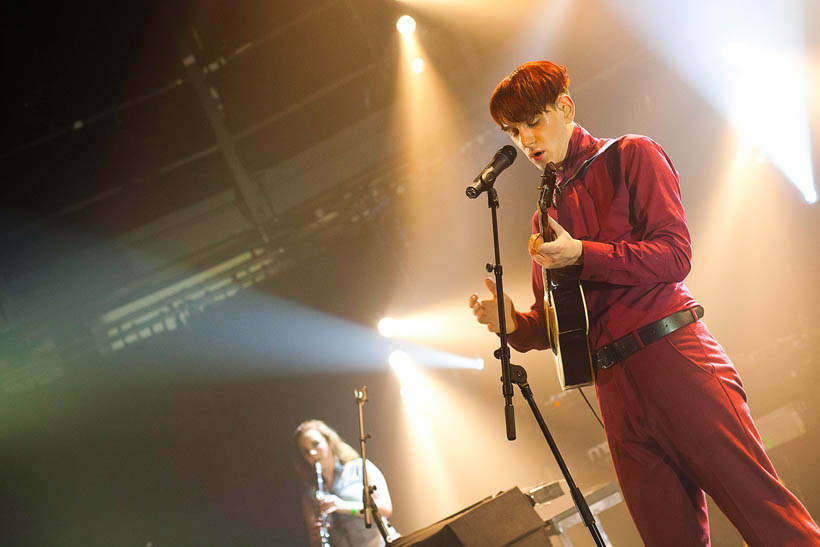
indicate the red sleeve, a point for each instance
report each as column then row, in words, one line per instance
column 662, row 250
column 531, row 326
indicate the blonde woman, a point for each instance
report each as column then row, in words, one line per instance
column 338, row 508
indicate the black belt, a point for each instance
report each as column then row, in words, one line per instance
column 622, row 348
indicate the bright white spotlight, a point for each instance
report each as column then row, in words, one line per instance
column 414, row 390
column 406, row 25
column 405, row 327
column 783, row 138
column 387, row 327
column 408, row 374
column 401, row 363
column 418, row 65
column 734, row 81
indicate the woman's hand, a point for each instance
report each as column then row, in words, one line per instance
column 330, row 503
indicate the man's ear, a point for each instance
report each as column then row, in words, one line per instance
column 566, row 106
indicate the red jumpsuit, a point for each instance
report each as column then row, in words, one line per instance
column 675, row 412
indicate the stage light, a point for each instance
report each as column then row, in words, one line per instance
column 784, row 138
column 410, row 328
column 387, row 327
column 430, row 329
column 409, row 376
column 414, row 391
column 403, row 366
column 406, row 25
column 418, row 65
column 759, row 84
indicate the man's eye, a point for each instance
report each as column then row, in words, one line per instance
column 533, row 123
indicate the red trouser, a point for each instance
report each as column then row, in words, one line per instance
column 678, row 424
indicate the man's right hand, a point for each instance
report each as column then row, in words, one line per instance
column 486, row 311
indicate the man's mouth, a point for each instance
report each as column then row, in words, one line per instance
column 538, row 155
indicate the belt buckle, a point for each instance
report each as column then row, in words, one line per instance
column 605, row 357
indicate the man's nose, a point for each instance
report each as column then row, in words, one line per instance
column 526, row 136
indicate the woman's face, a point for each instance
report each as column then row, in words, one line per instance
column 313, row 447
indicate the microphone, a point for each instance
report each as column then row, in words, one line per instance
column 502, row 159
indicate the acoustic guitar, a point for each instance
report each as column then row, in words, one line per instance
column 564, row 304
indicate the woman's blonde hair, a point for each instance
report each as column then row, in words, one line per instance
column 341, row 451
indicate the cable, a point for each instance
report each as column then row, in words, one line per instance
column 581, row 391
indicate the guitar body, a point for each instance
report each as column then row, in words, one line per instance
column 565, row 307
column 568, row 329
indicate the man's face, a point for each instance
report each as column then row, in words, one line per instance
column 543, row 138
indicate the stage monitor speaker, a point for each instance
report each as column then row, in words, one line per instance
column 505, row 519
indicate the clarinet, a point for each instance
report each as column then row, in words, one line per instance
column 324, row 532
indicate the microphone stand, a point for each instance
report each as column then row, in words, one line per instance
column 370, row 509
column 515, row 374
column 504, row 356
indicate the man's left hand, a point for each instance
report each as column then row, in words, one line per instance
column 563, row 251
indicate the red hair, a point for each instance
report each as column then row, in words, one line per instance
column 527, row 91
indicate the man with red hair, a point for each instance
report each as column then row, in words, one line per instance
column 673, row 405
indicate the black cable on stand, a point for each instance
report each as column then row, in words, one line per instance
column 515, row 374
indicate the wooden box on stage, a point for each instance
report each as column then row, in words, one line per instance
column 505, row 519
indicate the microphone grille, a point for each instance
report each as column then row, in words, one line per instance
column 509, row 151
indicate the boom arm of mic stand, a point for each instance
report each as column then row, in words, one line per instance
column 504, row 352
column 519, row 377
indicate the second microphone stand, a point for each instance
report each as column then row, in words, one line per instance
column 370, row 509
column 515, row 374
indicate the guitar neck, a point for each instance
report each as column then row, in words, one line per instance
column 548, row 181
column 547, row 233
